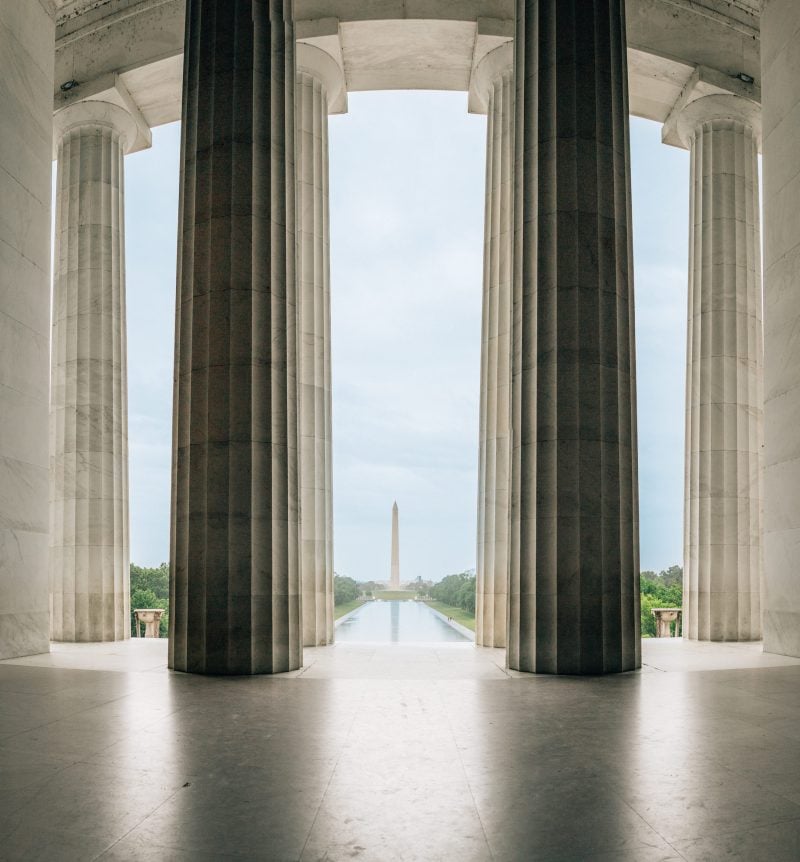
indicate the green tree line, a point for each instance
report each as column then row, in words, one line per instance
column 458, row 591
column 150, row 589
column 662, row 590
column 344, row 590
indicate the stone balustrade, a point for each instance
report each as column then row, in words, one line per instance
column 664, row 618
column 151, row 619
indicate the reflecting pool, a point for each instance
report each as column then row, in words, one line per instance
column 395, row 622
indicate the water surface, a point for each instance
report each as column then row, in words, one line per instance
column 396, row 622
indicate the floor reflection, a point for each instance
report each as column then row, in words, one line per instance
column 396, row 622
column 439, row 755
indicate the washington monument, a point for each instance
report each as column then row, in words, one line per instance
column 394, row 581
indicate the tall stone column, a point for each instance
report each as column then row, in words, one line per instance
column 493, row 82
column 235, row 577
column 320, row 83
column 780, row 89
column 89, row 540
column 27, row 48
column 724, row 393
column 574, row 567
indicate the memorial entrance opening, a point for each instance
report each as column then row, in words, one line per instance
column 253, row 83
column 450, row 753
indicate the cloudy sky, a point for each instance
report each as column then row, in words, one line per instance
column 407, row 187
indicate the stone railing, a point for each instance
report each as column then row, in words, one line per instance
column 665, row 616
column 150, row 618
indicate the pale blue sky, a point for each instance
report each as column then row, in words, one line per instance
column 407, row 186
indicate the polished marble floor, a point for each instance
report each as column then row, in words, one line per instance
column 400, row 753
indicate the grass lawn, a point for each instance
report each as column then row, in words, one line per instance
column 387, row 595
column 341, row 610
column 458, row 614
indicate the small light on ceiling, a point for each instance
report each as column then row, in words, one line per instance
column 69, row 85
column 743, row 76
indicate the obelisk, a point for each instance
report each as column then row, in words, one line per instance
column 394, row 581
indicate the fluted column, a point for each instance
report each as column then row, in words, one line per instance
column 780, row 92
column 493, row 81
column 574, row 583
column 89, row 538
column 235, row 583
column 320, row 82
column 26, row 157
column 724, row 388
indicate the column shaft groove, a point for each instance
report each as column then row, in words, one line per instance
column 89, row 533
column 574, row 580
column 724, row 389
column 235, row 586
column 494, row 467
column 314, row 361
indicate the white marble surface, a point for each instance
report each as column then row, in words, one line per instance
column 26, row 63
column 105, row 755
column 496, row 91
column 89, row 541
column 406, row 43
column 724, row 378
column 314, row 80
column 781, row 168
column 408, row 661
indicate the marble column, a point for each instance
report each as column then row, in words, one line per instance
column 724, row 396
column 574, row 567
column 235, row 605
column 319, row 83
column 493, row 82
column 780, row 88
column 89, row 537
column 27, row 49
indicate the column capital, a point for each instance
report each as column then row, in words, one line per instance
column 322, row 66
column 684, row 123
column 490, row 68
column 95, row 113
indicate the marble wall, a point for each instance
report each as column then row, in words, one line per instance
column 26, row 107
column 780, row 85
